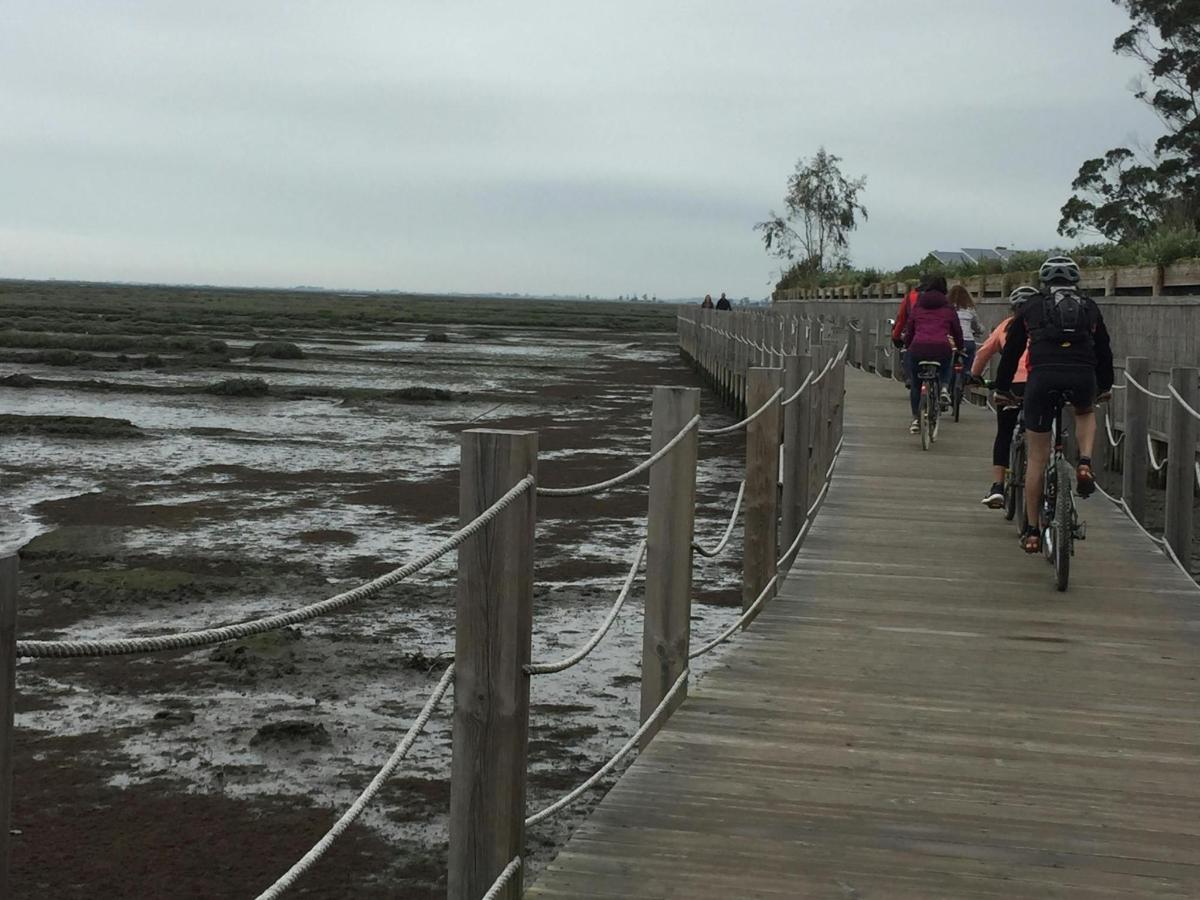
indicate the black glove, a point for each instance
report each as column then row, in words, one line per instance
column 1004, row 398
column 1104, row 396
column 897, row 343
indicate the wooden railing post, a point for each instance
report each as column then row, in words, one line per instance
column 491, row 649
column 8, row 694
column 882, row 342
column 670, row 525
column 760, row 546
column 797, row 417
column 1181, row 464
column 1137, row 428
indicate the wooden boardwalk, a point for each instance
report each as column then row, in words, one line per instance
column 920, row 715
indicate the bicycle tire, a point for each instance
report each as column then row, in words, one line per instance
column 956, row 395
column 1064, row 537
column 923, row 416
column 1014, row 494
column 935, row 402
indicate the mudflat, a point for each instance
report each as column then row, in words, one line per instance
column 177, row 458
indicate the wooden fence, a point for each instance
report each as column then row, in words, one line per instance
column 1178, row 278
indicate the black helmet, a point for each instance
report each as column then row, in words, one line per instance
column 1020, row 295
column 1059, row 269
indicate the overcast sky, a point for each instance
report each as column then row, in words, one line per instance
column 534, row 145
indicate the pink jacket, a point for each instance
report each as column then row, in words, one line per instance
column 993, row 345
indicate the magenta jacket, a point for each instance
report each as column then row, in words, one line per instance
column 929, row 323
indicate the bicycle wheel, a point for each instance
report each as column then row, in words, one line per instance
column 923, row 414
column 1064, row 515
column 935, row 402
column 1014, row 491
column 956, row 395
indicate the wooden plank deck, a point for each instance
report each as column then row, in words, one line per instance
column 920, row 714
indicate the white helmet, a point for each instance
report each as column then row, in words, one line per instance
column 1020, row 295
column 1059, row 268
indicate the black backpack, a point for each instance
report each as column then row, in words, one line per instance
column 1063, row 316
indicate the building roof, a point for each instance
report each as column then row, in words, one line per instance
column 970, row 255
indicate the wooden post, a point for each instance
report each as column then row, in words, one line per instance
column 882, row 338
column 670, row 524
column 1181, row 463
column 761, row 540
column 8, row 695
column 816, row 410
column 796, row 419
column 1110, row 283
column 491, row 649
column 1137, row 428
column 1156, row 281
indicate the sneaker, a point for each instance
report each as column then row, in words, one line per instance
column 1085, row 481
column 994, row 498
column 944, row 400
column 915, row 427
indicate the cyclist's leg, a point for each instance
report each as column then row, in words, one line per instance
column 1039, row 414
column 914, row 385
column 1084, row 399
column 1006, row 421
column 1038, row 448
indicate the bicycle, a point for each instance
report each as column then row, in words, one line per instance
column 1058, row 520
column 958, row 382
column 1014, row 477
column 929, row 373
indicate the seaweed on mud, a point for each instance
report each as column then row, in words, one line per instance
column 239, row 387
column 88, row 427
column 276, row 350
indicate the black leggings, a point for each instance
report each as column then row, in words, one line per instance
column 1006, row 422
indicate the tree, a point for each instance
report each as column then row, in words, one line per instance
column 822, row 209
column 1118, row 195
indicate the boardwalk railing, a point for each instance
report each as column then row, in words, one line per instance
column 793, row 384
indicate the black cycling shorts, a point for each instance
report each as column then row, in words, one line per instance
column 1044, row 381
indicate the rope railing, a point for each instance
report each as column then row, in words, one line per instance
column 1145, row 390
column 1155, row 464
column 724, row 542
column 651, row 721
column 1188, row 408
column 579, row 655
column 800, row 390
column 740, row 622
column 737, row 426
column 187, row 640
column 1112, row 441
column 306, row 862
column 502, row 880
column 633, row 473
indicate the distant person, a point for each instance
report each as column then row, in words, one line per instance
column 931, row 333
column 906, row 306
column 707, row 304
column 968, row 320
column 723, row 303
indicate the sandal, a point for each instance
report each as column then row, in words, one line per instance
column 1085, row 481
column 1031, row 541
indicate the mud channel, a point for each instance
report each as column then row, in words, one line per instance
column 145, row 502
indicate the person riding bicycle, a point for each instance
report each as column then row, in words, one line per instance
column 1069, row 356
column 1006, row 416
column 968, row 320
column 931, row 334
column 906, row 306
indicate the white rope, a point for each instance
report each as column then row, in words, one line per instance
column 1120, row 502
column 745, row 617
column 650, row 722
column 1154, row 463
column 206, row 636
column 800, row 390
column 783, row 560
column 1112, row 441
column 720, row 547
column 824, row 371
column 322, row 846
column 594, row 640
column 1187, row 406
column 627, row 476
column 737, row 426
column 503, row 879
column 1149, row 393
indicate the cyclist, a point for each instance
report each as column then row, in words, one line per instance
column 906, row 306
column 1069, row 352
column 1006, row 416
column 968, row 319
column 931, row 333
